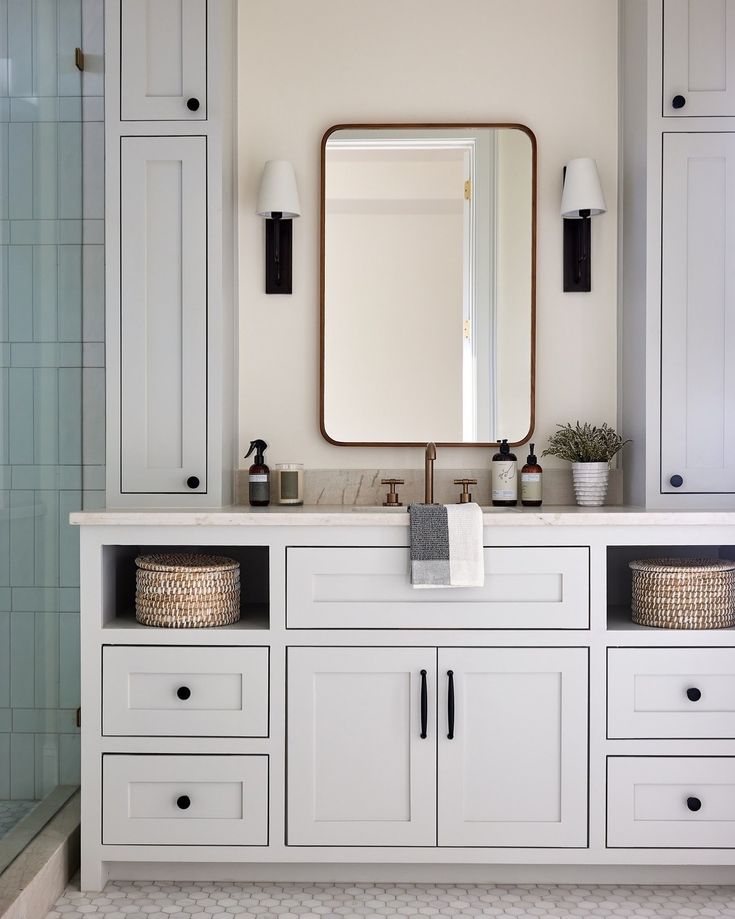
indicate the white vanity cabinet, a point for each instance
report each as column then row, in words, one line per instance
column 164, row 60
column 367, row 727
column 698, row 57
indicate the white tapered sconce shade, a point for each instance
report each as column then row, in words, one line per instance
column 278, row 202
column 581, row 199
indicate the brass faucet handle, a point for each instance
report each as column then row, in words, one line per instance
column 391, row 499
column 465, row 497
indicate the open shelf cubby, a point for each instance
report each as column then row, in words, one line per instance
column 118, row 583
column 619, row 577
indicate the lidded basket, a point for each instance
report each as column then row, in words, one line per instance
column 684, row 593
column 187, row 590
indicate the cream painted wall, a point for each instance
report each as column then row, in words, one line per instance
column 306, row 66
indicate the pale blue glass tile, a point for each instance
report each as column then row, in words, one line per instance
column 22, row 546
column 68, row 600
column 20, row 293
column 4, row 660
column 70, row 170
column 20, row 414
column 94, row 170
column 69, row 478
column 70, row 293
column 5, row 598
column 69, row 231
column 36, row 232
column 4, row 232
column 93, row 108
column 45, row 165
column 20, row 164
column 4, row 62
column 68, row 539
column 4, row 485
column 93, row 500
column 47, row 538
column 45, row 280
column 94, row 478
column 4, row 423
column 69, row 760
column 46, row 477
column 4, row 543
column 46, row 416
column 70, row 411
column 20, row 47
column 69, row 660
column 47, row 662
column 93, row 354
column 35, row 108
column 70, row 109
column 22, row 766
column 93, row 232
column 45, row 31
column 4, row 291
column 47, row 763
column 4, row 169
column 5, row 766
column 6, row 721
column 4, row 106
column 4, row 354
column 93, row 414
column 93, row 299
column 48, row 354
column 35, row 720
column 66, row 720
column 93, row 38
column 22, row 660
column 35, row 599
column 70, row 37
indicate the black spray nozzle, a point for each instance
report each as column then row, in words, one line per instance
column 260, row 446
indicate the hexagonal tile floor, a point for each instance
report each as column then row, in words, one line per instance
column 159, row 900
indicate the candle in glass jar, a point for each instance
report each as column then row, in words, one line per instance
column 290, row 480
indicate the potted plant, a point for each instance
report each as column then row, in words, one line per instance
column 589, row 449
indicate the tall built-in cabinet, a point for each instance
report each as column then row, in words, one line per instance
column 170, row 271
column 677, row 296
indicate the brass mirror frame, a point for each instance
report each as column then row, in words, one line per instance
column 322, row 287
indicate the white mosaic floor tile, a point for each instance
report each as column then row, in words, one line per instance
column 206, row 900
column 12, row 812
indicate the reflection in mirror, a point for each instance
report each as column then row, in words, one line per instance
column 428, row 284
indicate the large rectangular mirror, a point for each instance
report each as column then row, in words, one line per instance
column 428, row 284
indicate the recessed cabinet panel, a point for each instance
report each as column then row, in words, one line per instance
column 369, row 587
column 665, row 802
column 188, row 692
column 164, row 60
column 359, row 772
column 164, row 315
column 185, row 800
column 699, row 57
column 698, row 314
column 667, row 692
column 514, row 771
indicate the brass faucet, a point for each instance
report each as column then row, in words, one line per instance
column 429, row 473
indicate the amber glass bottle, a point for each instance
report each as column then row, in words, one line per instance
column 531, row 487
column 259, row 476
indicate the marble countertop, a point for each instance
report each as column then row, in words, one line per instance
column 354, row 515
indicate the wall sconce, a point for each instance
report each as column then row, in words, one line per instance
column 278, row 202
column 581, row 199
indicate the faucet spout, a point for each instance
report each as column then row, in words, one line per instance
column 429, row 473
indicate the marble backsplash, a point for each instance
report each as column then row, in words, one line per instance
column 362, row 486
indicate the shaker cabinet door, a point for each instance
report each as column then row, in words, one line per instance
column 163, row 324
column 359, row 771
column 698, row 314
column 512, row 747
column 699, row 58
column 163, row 60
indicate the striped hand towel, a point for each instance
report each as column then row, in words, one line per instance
column 446, row 545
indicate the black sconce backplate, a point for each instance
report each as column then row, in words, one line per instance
column 278, row 256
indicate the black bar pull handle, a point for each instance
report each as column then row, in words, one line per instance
column 424, row 705
column 450, row 705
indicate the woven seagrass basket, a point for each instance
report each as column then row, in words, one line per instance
column 684, row 593
column 187, row 591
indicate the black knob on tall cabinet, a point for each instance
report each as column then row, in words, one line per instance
column 193, row 481
column 678, row 102
column 183, row 802
column 694, row 694
column 192, row 104
column 676, row 481
column 184, row 693
column 694, row 804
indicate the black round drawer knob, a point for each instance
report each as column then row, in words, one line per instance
column 676, row 481
column 192, row 104
column 694, row 694
column 183, row 692
column 678, row 102
column 694, row 804
column 193, row 481
column 184, row 801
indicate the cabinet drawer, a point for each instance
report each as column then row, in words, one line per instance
column 659, row 802
column 369, row 588
column 187, row 692
column 185, row 800
column 671, row 692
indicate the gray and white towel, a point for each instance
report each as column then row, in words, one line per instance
column 446, row 545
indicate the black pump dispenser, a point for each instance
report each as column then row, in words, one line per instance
column 532, row 458
column 259, row 476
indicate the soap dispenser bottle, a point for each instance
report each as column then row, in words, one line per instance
column 259, row 476
column 504, row 477
column 531, row 486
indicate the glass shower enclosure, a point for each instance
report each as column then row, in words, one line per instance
column 51, row 389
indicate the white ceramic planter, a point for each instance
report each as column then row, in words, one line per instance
column 590, row 483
